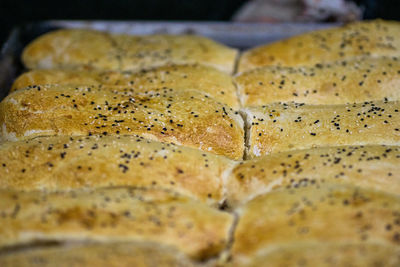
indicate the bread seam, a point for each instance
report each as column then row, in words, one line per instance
column 225, row 255
column 225, row 178
column 236, row 62
column 71, row 243
column 239, row 89
column 246, row 116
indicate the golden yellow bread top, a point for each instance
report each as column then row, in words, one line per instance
column 367, row 38
column 316, row 215
column 202, row 78
column 347, row 81
column 327, row 255
column 290, row 126
column 372, row 166
column 110, row 215
column 65, row 163
column 89, row 49
column 185, row 117
column 118, row 254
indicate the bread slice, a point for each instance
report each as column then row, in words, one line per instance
column 89, row 49
column 367, row 38
column 347, row 81
column 197, row 77
column 291, row 126
column 184, row 117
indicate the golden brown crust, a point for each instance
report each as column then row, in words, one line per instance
column 88, row 49
column 64, row 77
column 64, row 163
column 140, row 52
column 316, row 215
column 99, row 255
column 72, row 49
column 282, row 127
column 83, row 184
column 110, row 215
column 374, row 166
column 180, row 77
column 367, row 38
column 347, row 81
column 328, row 255
column 184, row 117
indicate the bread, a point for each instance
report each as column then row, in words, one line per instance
column 84, row 49
column 328, row 255
column 140, row 52
column 205, row 79
column 88, row 49
column 318, row 216
column 99, row 255
column 290, row 126
column 111, row 215
column 347, row 81
column 66, row 163
column 376, row 167
column 367, row 38
column 180, row 116
column 120, row 150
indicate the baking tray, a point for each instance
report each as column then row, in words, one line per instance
column 238, row 35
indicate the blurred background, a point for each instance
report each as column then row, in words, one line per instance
column 16, row 12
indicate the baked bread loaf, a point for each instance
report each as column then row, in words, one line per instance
column 127, row 150
column 197, row 77
column 111, row 215
column 100, row 255
column 66, row 163
column 180, row 116
column 367, row 38
column 347, row 81
column 88, row 49
column 293, row 220
column 374, row 166
column 290, row 126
